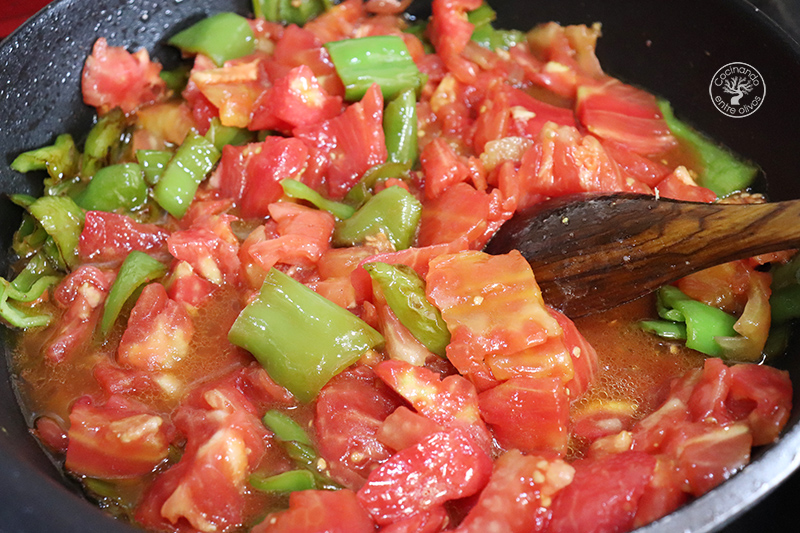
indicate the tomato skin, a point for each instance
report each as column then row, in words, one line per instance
column 120, row 439
column 113, row 77
column 518, row 496
column 443, row 168
column 445, row 466
column 350, row 410
column 350, row 143
column 764, row 393
column 603, row 495
column 319, row 511
column 459, row 212
column 529, row 414
column 110, row 237
column 431, row 521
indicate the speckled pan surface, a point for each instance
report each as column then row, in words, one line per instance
column 671, row 48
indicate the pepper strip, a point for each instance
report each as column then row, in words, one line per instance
column 301, row 191
column 62, row 219
column 115, row 187
column 137, row 269
column 394, row 212
column 189, row 166
column 400, row 128
column 301, row 339
column 404, row 292
column 222, row 37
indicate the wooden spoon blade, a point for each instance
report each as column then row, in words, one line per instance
column 591, row 252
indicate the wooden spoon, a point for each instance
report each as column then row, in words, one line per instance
column 592, row 252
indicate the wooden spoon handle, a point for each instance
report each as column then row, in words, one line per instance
column 607, row 250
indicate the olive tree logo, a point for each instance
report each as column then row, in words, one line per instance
column 737, row 90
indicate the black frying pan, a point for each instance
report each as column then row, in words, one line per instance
column 672, row 48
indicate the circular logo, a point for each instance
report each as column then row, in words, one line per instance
column 737, row 90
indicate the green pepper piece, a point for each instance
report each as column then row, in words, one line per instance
column 153, row 163
column 777, row 341
column 103, row 138
column 299, row 337
column 221, row 136
column 223, row 37
column 289, row 11
column 394, row 211
column 115, row 187
column 703, row 322
column 137, row 269
column 37, row 268
column 176, row 79
column 16, row 317
column 490, row 38
column 666, row 329
column 722, row 172
column 381, row 59
column 404, row 291
column 62, row 219
column 362, row 191
column 785, row 304
column 301, row 191
column 285, row 428
column 189, row 166
column 400, row 128
column 285, row 482
column 61, row 161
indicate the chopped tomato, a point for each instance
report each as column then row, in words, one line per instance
column 338, row 22
column 159, row 332
column 110, row 237
column 663, row 495
column 681, row 186
column 637, row 166
column 459, row 212
column 303, row 236
column 298, row 46
column 350, row 410
column 432, row 521
column 529, row 115
column 604, row 494
column 404, row 428
column 493, row 308
column 233, row 89
column 519, row 495
column 442, row 167
column 81, row 294
column 210, row 256
column 186, row 287
column 450, row 402
column 761, row 396
column 626, row 115
column 400, row 343
column 450, row 32
column 350, row 143
column 120, row 439
column 113, row 77
column 296, row 99
column 167, row 122
column 529, row 414
column 225, row 441
column 443, row 467
column 315, row 511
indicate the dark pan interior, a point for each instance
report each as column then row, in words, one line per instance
column 671, row 48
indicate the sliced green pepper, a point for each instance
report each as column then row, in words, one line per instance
column 404, row 291
column 16, row 317
column 285, row 482
column 289, row 11
column 137, row 269
column 301, row 191
column 362, row 191
column 223, row 37
column 221, row 136
column 299, row 337
column 703, row 322
column 285, row 428
column 62, row 219
column 116, row 187
column 381, row 59
column 485, row 35
column 394, row 212
column 176, row 79
column 189, row 166
column 722, row 172
column 400, row 128
column 666, row 329
column 153, row 163
column 103, row 138
column 61, row 161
